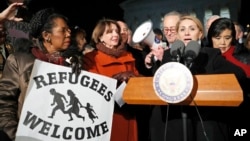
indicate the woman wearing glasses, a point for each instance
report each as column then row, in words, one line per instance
column 52, row 33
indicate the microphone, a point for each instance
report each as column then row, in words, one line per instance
column 177, row 50
column 191, row 52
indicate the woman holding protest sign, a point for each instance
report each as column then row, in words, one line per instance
column 52, row 35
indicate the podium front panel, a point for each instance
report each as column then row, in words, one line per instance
column 208, row 90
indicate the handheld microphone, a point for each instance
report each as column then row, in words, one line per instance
column 191, row 52
column 177, row 50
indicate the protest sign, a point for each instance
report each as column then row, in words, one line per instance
column 61, row 106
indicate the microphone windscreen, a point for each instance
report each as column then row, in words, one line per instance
column 192, row 49
column 178, row 45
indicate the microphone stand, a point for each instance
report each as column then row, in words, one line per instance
column 180, row 59
column 184, row 121
column 188, row 62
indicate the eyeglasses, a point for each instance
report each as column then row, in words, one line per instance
column 63, row 31
column 172, row 29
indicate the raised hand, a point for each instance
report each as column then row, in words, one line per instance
column 10, row 12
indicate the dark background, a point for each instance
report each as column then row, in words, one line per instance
column 86, row 13
column 82, row 13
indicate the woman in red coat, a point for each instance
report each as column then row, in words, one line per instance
column 222, row 35
column 111, row 59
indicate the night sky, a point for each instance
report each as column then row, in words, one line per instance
column 86, row 13
column 82, row 13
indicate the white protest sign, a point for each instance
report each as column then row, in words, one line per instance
column 62, row 107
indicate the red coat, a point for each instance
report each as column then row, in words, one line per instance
column 229, row 56
column 101, row 63
column 124, row 126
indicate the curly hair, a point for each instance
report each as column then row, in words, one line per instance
column 43, row 20
column 38, row 20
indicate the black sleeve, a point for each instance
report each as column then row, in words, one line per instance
column 221, row 65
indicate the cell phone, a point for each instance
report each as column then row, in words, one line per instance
column 21, row 12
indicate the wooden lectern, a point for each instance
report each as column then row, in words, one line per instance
column 208, row 90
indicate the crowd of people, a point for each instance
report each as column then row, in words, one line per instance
column 111, row 52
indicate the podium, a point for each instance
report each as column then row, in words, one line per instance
column 208, row 90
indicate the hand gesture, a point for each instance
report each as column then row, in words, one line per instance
column 10, row 12
column 158, row 52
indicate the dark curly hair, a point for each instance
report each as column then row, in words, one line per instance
column 43, row 20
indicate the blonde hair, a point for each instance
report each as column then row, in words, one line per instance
column 195, row 20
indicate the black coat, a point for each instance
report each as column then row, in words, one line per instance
column 208, row 61
column 139, row 56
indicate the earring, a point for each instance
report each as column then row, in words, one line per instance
column 199, row 41
column 48, row 40
column 103, row 42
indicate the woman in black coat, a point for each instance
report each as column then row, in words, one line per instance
column 203, row 123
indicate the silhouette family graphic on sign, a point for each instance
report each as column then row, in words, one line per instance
column 73, row 106
column 91, row 112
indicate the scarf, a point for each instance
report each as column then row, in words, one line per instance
column 229, row 56
column 115, row 52
column 54, row 58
